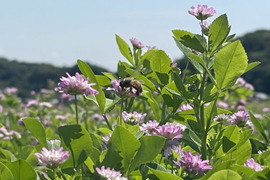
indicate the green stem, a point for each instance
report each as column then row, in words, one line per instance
column 76, row 110
column 201, row 104
column 185, row 71
column 107, row 122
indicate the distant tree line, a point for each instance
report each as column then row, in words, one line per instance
column 34, row 76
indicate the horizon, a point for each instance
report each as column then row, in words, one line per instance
column 61, row 32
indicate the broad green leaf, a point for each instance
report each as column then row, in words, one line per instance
column 186, row 51
column 154, row 104
column 87, row 72
column 218, row 32
column 195, row 42
column 229, row 64
column 124, row 49
column 165, row 175
column 170, row 98
column 225, row 175
column 150, row 147
column 160, row 64
column 79, row 142
column 37, row 130
column 103, row 80
column 258, row 126
column 223, row 165
column 125, row 143
column 257, row 146
column 122, row 67
column 5, row 172
column 21, row 170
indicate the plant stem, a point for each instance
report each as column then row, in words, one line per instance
column 107, row 122
column 76, row 109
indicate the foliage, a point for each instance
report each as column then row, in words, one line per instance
column 197, row 126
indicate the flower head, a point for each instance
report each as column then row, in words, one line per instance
column 132, row 118
column 252, row 164
column 110, row 174
column 241, row 119
column 149, row 126
column 75, row 85
column 193, row 163
column 8, row 135
column 169, row 130
column 202, row 12
column 52, row 158
column 136, row 43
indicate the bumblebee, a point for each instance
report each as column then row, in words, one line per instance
column 130, row 83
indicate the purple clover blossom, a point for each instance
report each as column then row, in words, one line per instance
column 8, row 135
column 185, row 107
column 147, row 127
column 52, row 158
column 177, row 148
column 110, row 174
column 117, row 89
column 241, row 119
column 169, row 130
column 136, row 43
column 75, row 85
column 193, row 163
column 202, row 12
column 222, row 117
column 252, row 164
column 132, row 118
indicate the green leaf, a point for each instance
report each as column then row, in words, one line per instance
column 87, row 72
column 225, row 174
column 37, row 130
column 218, row 32
column 186, row 51
column 257, row 146
column 165, row 175
column 223, row 165
column 229, row 64
column 150, row 147
column 124, row 49
column 21, row 170
column 79, row 142
column 257, row 126
column 122, row 67
column 125, row 143
column 195, row 42
column 171, row 99
column 252, row 65
column 5, row 172
column 103, row 80
column 160, row 64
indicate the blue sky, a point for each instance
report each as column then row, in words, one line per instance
column 61, row 31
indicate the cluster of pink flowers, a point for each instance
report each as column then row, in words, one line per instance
column 133, row 118
column 75, row 85
column 202, row 12
column 52, row 158
column 192, row 163
column 110, row 174
column 8, row 135
column 169, row 130
column 252, row 164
